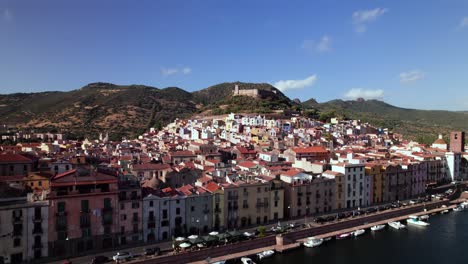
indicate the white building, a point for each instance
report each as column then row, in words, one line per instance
column 356, row 185
column 23, row 230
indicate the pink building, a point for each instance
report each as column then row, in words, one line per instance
column 82, row 212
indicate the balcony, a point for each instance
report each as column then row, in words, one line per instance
column 276, row 198
column 258, row 205
column 299, row 194
column 62, row 213
column 107, row 209
column 106, row 221
column 37, row 230
column 233, row 197
column 246, row 193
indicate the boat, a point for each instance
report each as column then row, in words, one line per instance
column 416, row 221
column 359, row 232
column 219, row 262
column 313, row 242
column 458, row 209
column 445, row 211
column 265, row 254
column 343, row 236
column 464, row 205
column 247, row 261
column 327, row 239
column 396, row 225
column 377, row 227
column 424, row 217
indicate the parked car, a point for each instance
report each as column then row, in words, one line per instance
column 122, row 256
column 152, row 251
column 100, row 259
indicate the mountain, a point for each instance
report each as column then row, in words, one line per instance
column 97, row 107
column 126, row 110
column 423, row 125
column 129, row 109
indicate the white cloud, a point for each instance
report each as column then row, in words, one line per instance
column 172, row 71
column 169, row 71
column 187, row 70
column 284, row 85
column 364, row 93
column 362, row 18
column 411, row 76
column 323, row 45
column 464, row 22
column 7, row 15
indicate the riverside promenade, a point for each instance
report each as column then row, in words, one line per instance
column 291, row 238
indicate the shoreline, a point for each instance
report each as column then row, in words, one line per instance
column 291, row 239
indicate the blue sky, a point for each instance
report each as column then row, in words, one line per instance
column 408, row 53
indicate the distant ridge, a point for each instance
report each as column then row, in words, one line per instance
column 127, row 110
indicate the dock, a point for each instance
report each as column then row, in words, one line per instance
column 383, row 222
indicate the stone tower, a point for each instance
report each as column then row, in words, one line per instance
column 457, row 141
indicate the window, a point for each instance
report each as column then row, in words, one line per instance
column 192, row 208
column 86, row 232
column 61, row 206
column 107, row 203
column 16, row 242
column 165, row 213
column 122, row 206
column 123, row 217
column 84, row 205
column 177, row 211
column 135, row 205
column 151, row 203
column 122, row 229
column 40, row 183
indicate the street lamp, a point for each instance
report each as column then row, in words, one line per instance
column 289, row 212
column 198, row 226
column 305, row 215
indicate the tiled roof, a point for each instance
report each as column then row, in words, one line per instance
column 14, row 158
column 314, row 149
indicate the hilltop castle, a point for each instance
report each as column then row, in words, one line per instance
column 255, row 93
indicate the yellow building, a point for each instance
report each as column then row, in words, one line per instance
column 376, row 175
column 38, row 180
column 250, row 203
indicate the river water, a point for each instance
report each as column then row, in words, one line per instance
column 445, row 240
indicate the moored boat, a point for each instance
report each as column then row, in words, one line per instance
column 313, row 242
column 247, row 261
column 396, row 225
column 445, row 211
column 424, row 217
column 377, row 227
column 458, row 209
column 359, row 232
column 343, row 236
column 265, row 254
column 416, row 221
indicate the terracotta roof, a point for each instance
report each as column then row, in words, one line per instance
column 291, row 172
column 212, row 187
column 14, row 158
column 150, row 166
column 247, row 164
column 314, row 149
